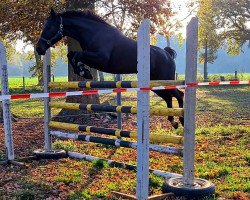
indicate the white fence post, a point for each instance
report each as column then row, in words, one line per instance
column 143, row 66
column 47, row 114
column 6, row 105
column 190, row 103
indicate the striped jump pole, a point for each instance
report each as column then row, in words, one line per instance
column 120, row 109
column 116, row 142
column 156, row 138
column 113, row 163
column 112, row 84
column 119, row 103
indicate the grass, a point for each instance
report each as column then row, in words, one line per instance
column 17, row 82
column 222, row 150
column 30, row 82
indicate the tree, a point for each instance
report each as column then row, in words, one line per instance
column 11, row 53
column 59, row 52
column 233, row 17
column 24, row 20
column 73, row 45
column 222, row 22
column 125, row 14
column 209, row 41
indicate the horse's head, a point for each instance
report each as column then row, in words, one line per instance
column 51, row 34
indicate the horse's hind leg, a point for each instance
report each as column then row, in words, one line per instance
column 167, row 96
column 179, row 96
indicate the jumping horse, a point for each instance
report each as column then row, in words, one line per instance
column 106, row 49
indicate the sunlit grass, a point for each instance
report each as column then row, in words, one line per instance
column 17, row 82
column 222, row 149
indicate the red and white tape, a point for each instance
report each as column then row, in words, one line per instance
column 108, row 91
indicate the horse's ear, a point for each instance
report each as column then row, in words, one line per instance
column 52, row 13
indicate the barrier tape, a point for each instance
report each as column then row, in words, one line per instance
column 116, row 90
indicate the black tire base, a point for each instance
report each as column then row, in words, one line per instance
column 52, row 154
column 202, row 188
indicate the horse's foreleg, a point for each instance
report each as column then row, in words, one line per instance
column 167, row 96
column 89, row 58
column 73, row 60
column 92, row 59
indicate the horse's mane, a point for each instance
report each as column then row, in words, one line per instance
column 85, row 13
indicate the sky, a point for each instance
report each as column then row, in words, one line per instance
column 179, row 6
column 21, row 46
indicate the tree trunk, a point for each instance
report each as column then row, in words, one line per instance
column 101, row 76
column 73, row 45
column 39, row 68
column 1, row 113
column 168, row 41
column 205, row 63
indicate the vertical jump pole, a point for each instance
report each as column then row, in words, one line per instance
column 190, row 103
column 6, row 105
column 118, row 103
column 143, row 67
column 46, row 80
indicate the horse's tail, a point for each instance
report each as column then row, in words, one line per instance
column 172, row 52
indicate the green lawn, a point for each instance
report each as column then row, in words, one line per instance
column 17, row 82
column 222, row 151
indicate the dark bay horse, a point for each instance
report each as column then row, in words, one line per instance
column 106, row 49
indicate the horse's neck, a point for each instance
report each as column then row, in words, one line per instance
column 80, row 29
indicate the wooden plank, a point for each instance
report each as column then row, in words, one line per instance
column 123, row 195
column 162, row 196
column 132, row 197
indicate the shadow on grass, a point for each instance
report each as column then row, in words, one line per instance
column 230, row 101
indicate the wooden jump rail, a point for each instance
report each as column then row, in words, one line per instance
column 111, row 84
column 122, row 109
column 113, row 163
column 116, row 142
column 159, row 138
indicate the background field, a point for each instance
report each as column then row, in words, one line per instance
column 17, row 82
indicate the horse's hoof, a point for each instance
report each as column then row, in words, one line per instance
column 90, row 77
column 87, row 74
column 82, row 74
column 80, row 65
column 175, row 125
